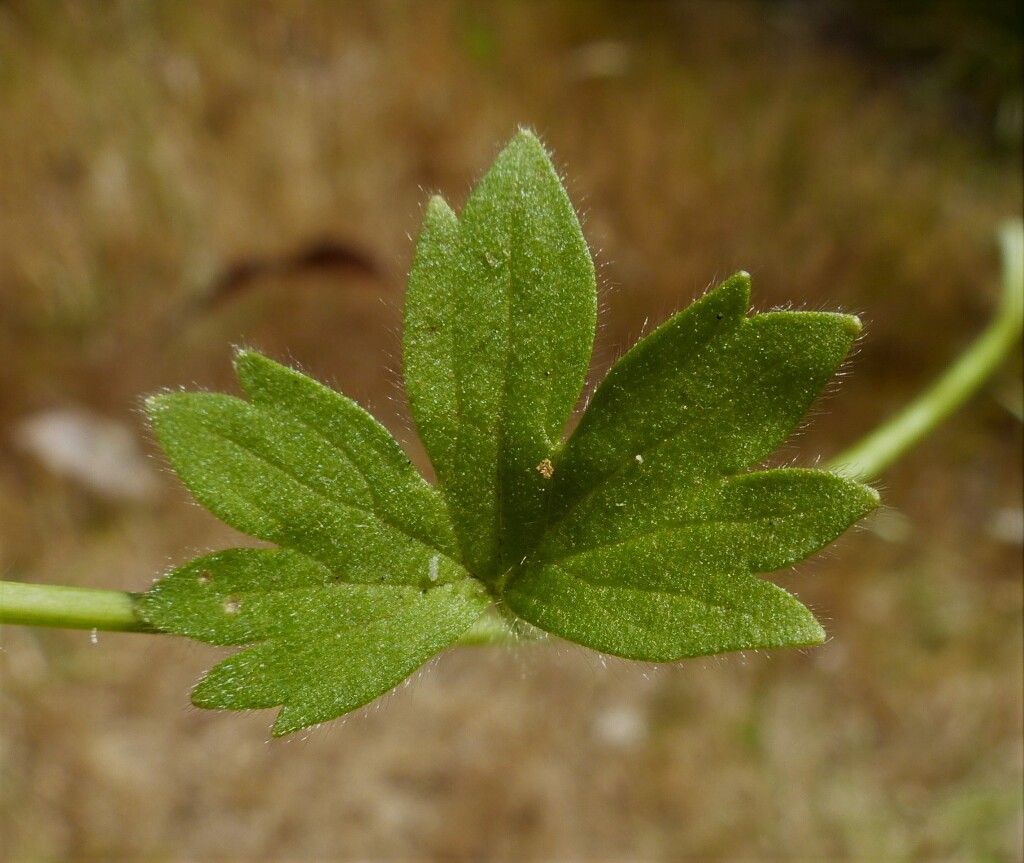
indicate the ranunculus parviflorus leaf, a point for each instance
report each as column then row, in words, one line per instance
column 639, row 536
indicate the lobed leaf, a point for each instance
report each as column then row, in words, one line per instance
column 364, row 588
column 305, row 468
column 709, row 392
column 499, row 327
column 641, row 535
column 682, row 586
column 325, row 646
column 646, row 499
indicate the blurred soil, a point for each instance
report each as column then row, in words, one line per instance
column 176, row 178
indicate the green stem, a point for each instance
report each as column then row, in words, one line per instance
column 871, row 456
column 69, row 607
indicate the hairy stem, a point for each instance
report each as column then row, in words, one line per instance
column 873, row 454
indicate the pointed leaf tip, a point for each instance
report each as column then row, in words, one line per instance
column 438, row 208
column 527, row 136
column 735, row 290
column 243, row 354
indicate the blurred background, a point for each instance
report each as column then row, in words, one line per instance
column 177, row 178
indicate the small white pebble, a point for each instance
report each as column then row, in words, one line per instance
column 620, row 726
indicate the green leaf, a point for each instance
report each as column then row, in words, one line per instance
column 711, row 614
column 681, row 584
column 325, row 647
column 365, row 588
column 304, row 467
column 653, row 535
column 642, row 535
column 397, row 493
column 499, row 327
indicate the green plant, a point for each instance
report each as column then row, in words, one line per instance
column 638, row 535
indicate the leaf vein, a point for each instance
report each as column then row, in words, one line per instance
column 323, row 496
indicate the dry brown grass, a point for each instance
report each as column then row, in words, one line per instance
column 145, row 148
